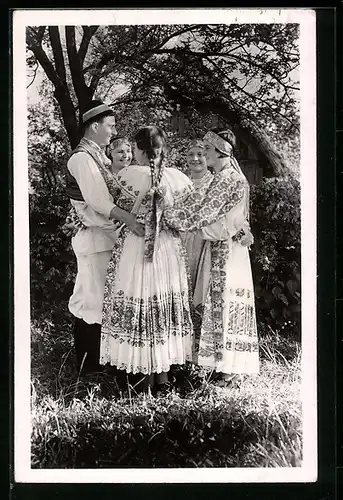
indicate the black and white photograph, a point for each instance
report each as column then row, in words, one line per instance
column 165, row 245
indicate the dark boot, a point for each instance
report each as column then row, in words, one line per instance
column 87, row 347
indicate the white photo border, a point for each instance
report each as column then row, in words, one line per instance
column 22, row 422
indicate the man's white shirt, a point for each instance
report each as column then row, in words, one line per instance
column 94, row 211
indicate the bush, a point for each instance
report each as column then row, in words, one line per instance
column 52, row 261
column 276, row 254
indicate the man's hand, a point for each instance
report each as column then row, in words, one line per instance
column 128, row 219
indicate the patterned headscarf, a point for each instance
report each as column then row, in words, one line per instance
column 224, row 146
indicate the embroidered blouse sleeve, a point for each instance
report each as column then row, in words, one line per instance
column 91, row 183
column 206, row 206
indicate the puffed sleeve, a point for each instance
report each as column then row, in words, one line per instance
column 206, row 206
column 91, row 183
column 178, row 186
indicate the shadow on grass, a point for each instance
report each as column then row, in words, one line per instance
column 205, row 430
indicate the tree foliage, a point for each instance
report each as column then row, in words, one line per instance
column 276, row 255
column 244, row 73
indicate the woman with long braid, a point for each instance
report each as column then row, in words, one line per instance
column 146, row 323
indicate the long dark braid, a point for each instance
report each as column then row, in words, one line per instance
column 156, row 171
column 156, row 168
column 151, row 139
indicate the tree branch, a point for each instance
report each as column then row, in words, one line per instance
column 250, row 96
column 225, row 56
column 88, row 32
column 42, row 58
column 40, row 33
column 111, row 56
column 34, row 75
column 61, row 92
column 81, row 90
column 153, row 77
column 126, row 100
column 179, row 32
column 57, row 52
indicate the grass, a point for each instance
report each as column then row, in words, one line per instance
column 100, row 421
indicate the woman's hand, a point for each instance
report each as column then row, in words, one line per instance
column 69, row 229
column 136, row 227
column 247, row 240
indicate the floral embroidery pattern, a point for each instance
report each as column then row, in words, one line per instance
column 143, row 323
column 214, row 337
column 213, row 311
column 208, row 203
column 241, row 323
column 125, row 195
column 204, row 181
column 140, row 322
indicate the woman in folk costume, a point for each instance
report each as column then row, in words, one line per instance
column 120, row 152
column 228, row 340
column 88, row 177
column 146, row 322
column 198, row 249
column 200, row 176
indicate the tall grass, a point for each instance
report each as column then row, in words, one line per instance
column 102, row 422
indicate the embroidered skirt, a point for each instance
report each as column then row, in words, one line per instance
column 228, row 340
column 146, row 325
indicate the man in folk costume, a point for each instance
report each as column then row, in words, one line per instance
column 89, row 180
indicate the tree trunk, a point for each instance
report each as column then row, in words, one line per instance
column 68, row 115
column 57, row 74
column 83, row 93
